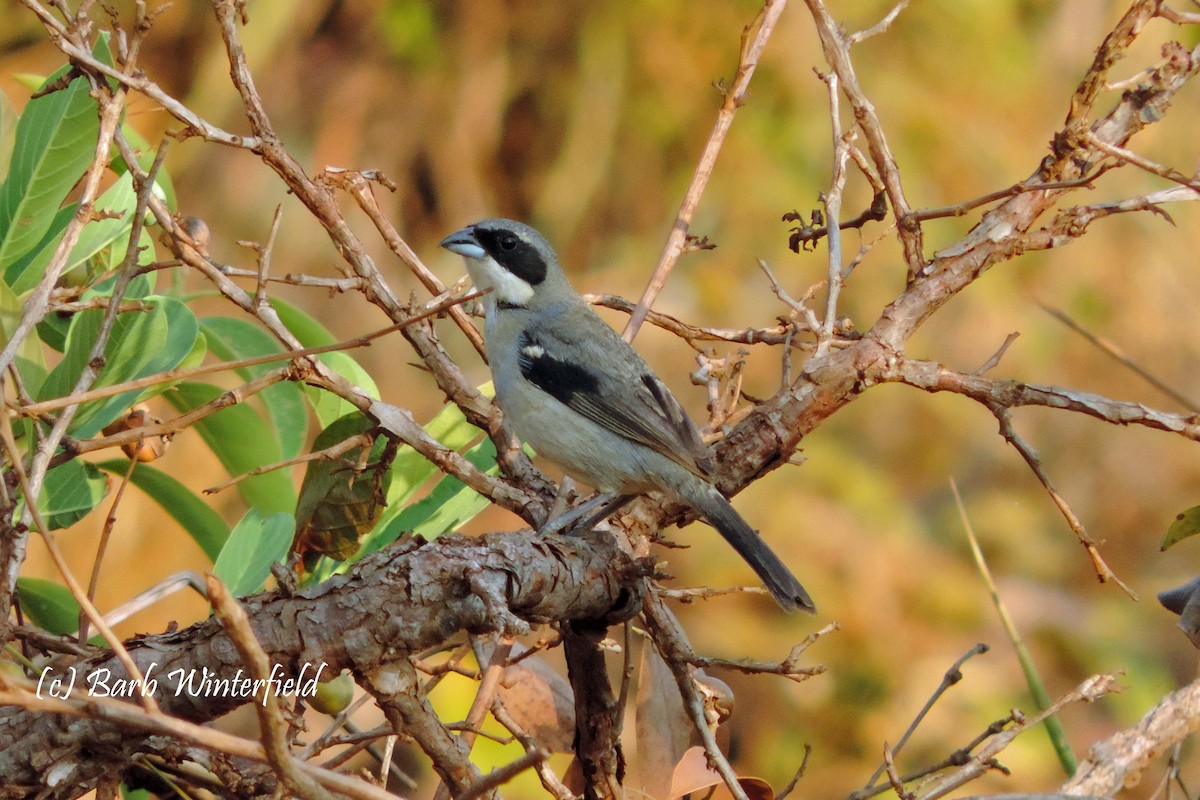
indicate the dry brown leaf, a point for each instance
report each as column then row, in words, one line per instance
column 541, row 702
column 693, row 775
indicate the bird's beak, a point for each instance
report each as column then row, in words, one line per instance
column 464, row 243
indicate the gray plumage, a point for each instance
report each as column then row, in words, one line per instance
column 581, row 396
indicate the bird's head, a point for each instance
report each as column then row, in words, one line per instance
column 510, row 258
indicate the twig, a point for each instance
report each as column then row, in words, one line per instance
column 1110, row 349
column 950, row 678
column 1031, row 184
column 385, row 761
column 1178, row 17
column 1103, row 571
column 110, row 521
column 550, row 781
column 933, row 377
column 502, row 775
column 489, row 685
column 673, row 646
column 1141, row 162
column 894, row 779
column 98, row 302
column 878, row 27
column 328, row 454
column 173, row 375
column 148, row 597
column 994, row 358
column 271, row 722
column 833, row 211
column 60, row 563
column 800, row 770
column 782, row 333
column 357, row 184
column 799, row 307
column 224, row 400
column 351, row 283
column 751, row 51
column 787, row 667
column 264, row 260
column 835, row 45
column 1088, row 691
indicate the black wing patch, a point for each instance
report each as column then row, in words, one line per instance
column 561, row 380
column 648, row 414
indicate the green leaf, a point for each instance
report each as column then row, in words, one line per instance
column 1185, row 525
column 241, row 440
column 255, row 543
column 310, row 333
column 54, row 328
column 234, row 339
column 119, row 204
column 55, row 141
column 8, row 133
column 410, row 469
column 50, row 606
column 445, row 509
column 70, row 492
column 204, row 525
column 141, row 343
column 29, row 361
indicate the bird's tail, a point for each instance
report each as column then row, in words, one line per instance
column 778, row 579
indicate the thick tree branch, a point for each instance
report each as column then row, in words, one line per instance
column 1117, row 763
column 395, row 603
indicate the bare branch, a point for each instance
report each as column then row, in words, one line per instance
column 1088, row 691
column 1118, row 762
column 1008, row 394
column 135, row 80
column 752, row 49
column 271, row 722
column 673, row 646
column 836, row 46
column 1141, row 162
column 1114, row 352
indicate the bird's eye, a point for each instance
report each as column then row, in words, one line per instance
column 508, row 242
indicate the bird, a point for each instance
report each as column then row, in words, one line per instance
column 581, row 396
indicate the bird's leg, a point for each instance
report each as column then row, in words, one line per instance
column 590, row 512
column 562, row 499
column 615, row 503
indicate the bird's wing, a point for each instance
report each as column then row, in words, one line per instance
column 593, row 371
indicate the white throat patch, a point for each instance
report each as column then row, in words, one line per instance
column 506, row 287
